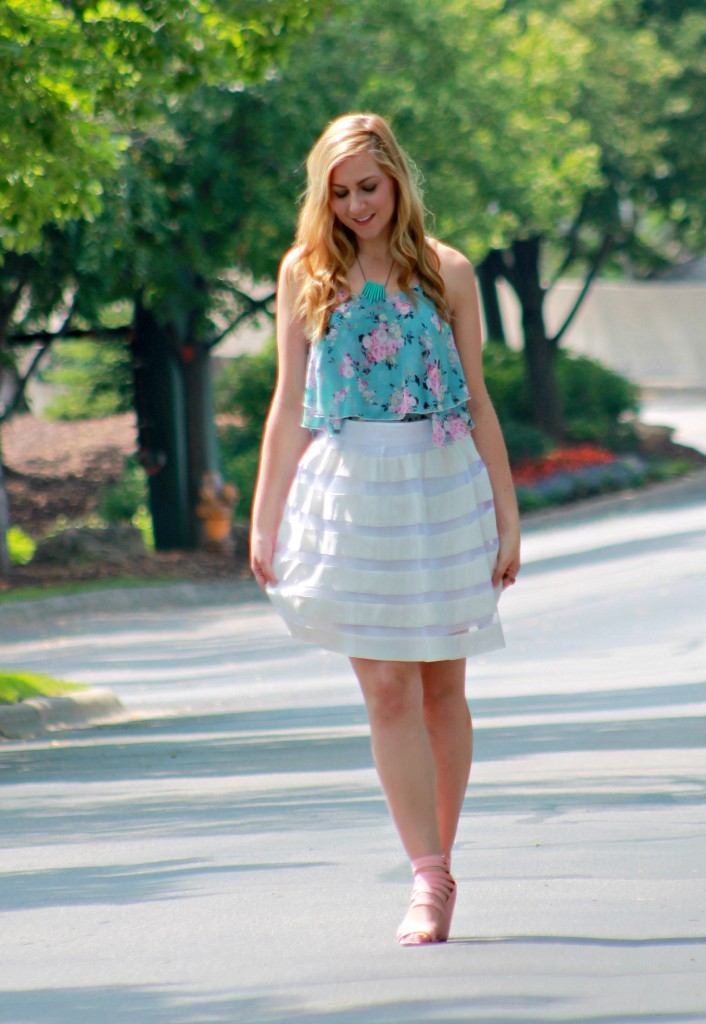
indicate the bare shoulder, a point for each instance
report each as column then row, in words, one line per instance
column 290, row 269
column 290, row 280
column 456, row 270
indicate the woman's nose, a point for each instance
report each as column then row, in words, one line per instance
column 356, row 203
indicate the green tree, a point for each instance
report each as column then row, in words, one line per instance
column 552, row 136
column 82, row 87
column 207, row 197
column 78, row 79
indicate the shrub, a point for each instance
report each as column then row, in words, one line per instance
column 20, row 546
column 595, row 401
column 524, row 441
column 243, row 391
column 120, row 501
column 244, row 386
column 591, row 392
column 504, row 372
column 126, row 501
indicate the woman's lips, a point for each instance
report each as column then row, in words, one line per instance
column 363, row 220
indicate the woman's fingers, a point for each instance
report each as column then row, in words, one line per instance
column 261, row 562
column 263, row 573
column 507, row 567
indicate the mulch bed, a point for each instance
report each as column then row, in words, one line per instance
column 55, row 474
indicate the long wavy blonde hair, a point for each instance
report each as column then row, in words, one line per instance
column 326, row 249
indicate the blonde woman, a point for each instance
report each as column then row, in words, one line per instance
column 384, row 523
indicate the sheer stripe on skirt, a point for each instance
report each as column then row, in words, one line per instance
column 387, row 546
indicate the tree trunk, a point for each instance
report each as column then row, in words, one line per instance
column 5, row 567
column 200, row 425
column 162, row 438
column 488, row 272
column 523, row 274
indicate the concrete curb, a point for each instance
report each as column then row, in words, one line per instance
column 159, row 597
column 688, row 488
column 30, row 718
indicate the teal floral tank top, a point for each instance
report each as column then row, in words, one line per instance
column 384, row 359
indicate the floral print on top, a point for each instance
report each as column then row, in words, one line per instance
column 387, row 360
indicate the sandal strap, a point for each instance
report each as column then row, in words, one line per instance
column 433, row 887
column 433, row 884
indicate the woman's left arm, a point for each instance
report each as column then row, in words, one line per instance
column 462, row 295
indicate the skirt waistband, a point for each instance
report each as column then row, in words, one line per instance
column 403, row 432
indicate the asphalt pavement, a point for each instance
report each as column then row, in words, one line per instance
column 224, row 853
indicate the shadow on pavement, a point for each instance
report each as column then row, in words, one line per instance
column 155, row 1006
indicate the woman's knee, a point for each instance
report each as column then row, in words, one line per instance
column 392, row 690
column 445, row 693
column 444, row 683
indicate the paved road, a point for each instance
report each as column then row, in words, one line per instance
column 683, row 410
column 226, row 855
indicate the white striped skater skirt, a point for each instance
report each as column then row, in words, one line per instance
column 387, row 545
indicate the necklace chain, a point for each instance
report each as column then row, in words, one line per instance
column 389, row 273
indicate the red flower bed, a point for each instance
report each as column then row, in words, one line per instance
column 561, row 460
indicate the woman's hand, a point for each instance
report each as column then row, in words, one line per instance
column 507, row 564
column 262, row 550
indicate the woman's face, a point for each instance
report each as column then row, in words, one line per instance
column 363, row 197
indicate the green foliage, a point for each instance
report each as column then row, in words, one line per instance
column 142, row 520
column 595, row 400
column 661, row 469
column 17, row 686
column 77, row 79
column 239, row 457
column 244, row 390
column 244, row 386
column 504, row 372
column 122, row 501
column 20, row 545
column 524, row 441
column 95, row 378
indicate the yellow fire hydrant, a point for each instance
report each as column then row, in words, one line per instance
column 217, row 501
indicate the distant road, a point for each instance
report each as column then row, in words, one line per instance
column 683, row 410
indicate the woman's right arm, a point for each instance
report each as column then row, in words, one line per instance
column 284, row 440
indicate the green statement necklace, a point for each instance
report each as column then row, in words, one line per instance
column 371, row 289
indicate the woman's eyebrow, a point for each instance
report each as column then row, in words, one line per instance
column 369, row 177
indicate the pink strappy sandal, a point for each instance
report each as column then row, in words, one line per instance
column 433, row 887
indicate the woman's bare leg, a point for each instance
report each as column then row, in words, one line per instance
column 450, row 731
column 403, row 754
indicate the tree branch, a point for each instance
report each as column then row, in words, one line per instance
column 22, row 383
column 254, row 306
column 572, row 251
column 598, row 261
column 45, row 339
column 75, row 332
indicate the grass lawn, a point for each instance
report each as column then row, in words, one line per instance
column 77, row 587
column 17, row 686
